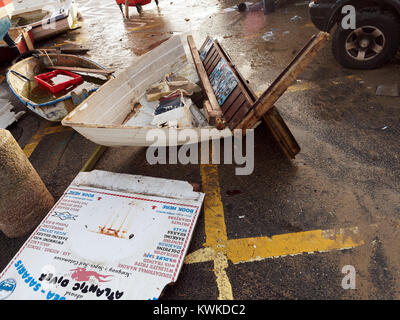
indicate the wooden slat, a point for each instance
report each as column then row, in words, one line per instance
column 237, row 118
column 209, row 56
column 234, row 107
column 281, row 132
column 278, row 87
column 212, row 66
column 85, row 70
column 204, row 43
column 207, row 66
column 28, row 40
column 232, row 97
column 216, row 116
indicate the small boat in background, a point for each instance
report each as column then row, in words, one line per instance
column 53, row 106
column 38, row 20
column 47, row 18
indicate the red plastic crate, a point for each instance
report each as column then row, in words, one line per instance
column 133, row 3
column 45, row 80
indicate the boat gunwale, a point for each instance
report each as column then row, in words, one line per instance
column 120, row 126
column 46, row 21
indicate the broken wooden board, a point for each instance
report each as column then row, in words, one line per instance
column 211, row 107
column 272, row 117
column 239, row 98
column 110, row 236
column 84, row 70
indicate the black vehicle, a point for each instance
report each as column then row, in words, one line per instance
column 375, row 39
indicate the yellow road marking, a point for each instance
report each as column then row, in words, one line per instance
column 253, row 249
column 94, row 158
column 147, row 27
column 38, row 136
column 304, row 85
column 219, row 249
column 223, row 283
column 213, row 208
column 201, row 255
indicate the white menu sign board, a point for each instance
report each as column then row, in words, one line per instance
column 98, row 243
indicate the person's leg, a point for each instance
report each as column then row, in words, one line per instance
column 10, row 42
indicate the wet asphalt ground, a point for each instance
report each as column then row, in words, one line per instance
column 346, row 175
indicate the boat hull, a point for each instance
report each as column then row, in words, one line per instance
column 146, row 137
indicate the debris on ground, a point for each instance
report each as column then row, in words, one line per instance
column 387, row 90
column 243, row 7
column 295, row 18
column 268, row 36
column 8, row 117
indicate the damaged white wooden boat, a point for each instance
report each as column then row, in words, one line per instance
column 20, row 79
column 119, row 114
column 47, row 18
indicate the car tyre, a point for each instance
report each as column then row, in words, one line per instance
column 372, row 44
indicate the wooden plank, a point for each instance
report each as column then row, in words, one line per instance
column 237, row 118
column 281, row 133
column 211, row 61
column 28, row 40
column 278, row 87
column 211, row 55
column 204, row 43
column 216, row 118
column 235, row 107
column 232, row 97
column 86, row 70
column 212, row 66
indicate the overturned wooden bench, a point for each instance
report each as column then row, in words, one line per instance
column 232, row 103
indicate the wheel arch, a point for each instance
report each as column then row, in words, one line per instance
column 384, row 5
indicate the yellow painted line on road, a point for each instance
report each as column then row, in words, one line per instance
column 304, row 85
column 213, row 207
column 215, row 227
column 147, row 27
column 38, row 136
column 223, row 282
column 93, row 159
column 254, row 249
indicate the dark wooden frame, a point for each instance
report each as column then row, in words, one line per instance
column 243, row 109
